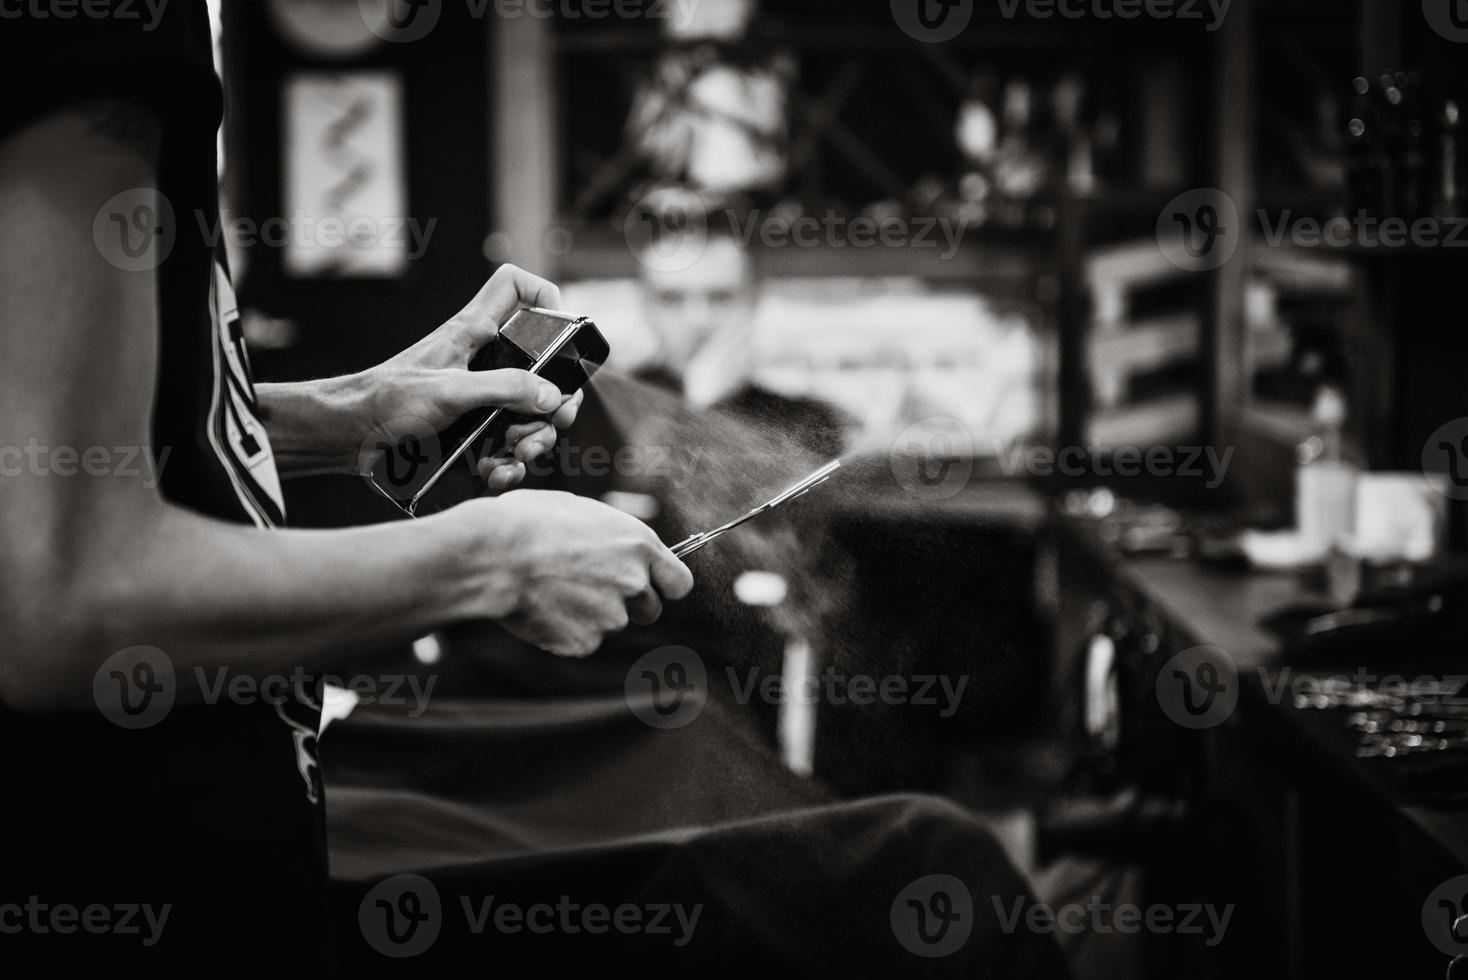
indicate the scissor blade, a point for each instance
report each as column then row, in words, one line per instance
column 697, row 541
column 807, row 485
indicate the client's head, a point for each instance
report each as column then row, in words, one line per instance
column 710, row 291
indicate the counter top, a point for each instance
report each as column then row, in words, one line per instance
column 1223, row 608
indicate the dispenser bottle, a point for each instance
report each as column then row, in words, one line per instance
column 1325, row 495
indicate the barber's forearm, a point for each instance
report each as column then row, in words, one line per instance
column 213, row 596
column 317, row 427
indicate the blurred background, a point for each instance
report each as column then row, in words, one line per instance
column 966, row 229
column 1139, row 327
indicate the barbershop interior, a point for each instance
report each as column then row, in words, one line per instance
column 1083, row 382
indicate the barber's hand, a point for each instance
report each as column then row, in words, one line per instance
column 579, row 569
column 428, row 387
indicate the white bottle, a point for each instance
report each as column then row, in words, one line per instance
column 1325, row 491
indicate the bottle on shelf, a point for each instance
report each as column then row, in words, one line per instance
column 1020, row 166
column 1325, row 493
column 1449, row 203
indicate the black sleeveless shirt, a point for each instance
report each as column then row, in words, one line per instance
column 213, row 812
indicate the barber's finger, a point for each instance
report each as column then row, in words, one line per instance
column 532, row 440
column 645, row 608
column 565, row 416
column 520, row 391
column 508, row 290
column 531, row 448
column 516, row 434
column 670, row 576
column 500, row 475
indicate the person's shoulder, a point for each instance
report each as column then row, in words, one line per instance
column 111, row 56
column 817, row 425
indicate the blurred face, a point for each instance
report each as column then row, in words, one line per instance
column 688, row 308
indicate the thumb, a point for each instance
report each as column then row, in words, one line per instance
column 519, row 391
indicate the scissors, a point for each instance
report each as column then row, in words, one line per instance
column 691, row 544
